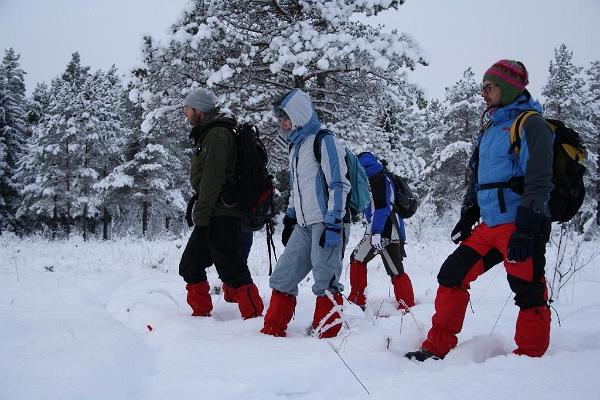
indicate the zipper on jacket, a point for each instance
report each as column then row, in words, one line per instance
column 298, row 185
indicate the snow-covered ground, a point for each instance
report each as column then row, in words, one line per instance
column 108, row 320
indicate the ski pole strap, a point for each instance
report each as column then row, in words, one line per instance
column 516, row 184
column 190, row 208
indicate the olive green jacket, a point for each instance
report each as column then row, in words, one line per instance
column 212, row 172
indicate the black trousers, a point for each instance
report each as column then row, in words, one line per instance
column 217, row 244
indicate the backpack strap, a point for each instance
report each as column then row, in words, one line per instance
column 317, row 153
column 515, row 130
column 317, row 143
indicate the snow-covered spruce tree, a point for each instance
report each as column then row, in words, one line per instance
column 592, row 96
column 38, row 104
column 445, row 177
column 13, row 132
column 150, row 174
column 252, row 52
column 564, row 99
column 101, row 141
column 55, row 152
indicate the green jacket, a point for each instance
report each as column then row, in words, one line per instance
column 212, row 172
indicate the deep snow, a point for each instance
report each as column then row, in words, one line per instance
column 108, row 320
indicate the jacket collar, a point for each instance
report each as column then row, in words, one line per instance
column 199, row 131
column 510, row 111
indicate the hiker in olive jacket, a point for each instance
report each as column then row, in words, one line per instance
column 216, row 212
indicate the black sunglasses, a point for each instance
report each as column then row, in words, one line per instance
column 487, row 87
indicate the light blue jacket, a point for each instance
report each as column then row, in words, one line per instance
column 318, row 192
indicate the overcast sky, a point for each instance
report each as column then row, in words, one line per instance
column 453, row 35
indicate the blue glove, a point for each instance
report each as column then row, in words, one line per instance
column 330, row 237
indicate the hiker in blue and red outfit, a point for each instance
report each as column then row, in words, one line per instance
column 385, row 236
column 514, row 228
column 315, row 229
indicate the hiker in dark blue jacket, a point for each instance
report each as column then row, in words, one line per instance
column 385, row 236
column 509, row 191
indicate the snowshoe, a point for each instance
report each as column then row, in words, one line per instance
column 421, row 355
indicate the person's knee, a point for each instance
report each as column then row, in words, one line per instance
column 527, row 294
column 456, row 266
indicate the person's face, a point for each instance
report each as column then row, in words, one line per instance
column 284, row 124
column 194, row 117
column 491, row 94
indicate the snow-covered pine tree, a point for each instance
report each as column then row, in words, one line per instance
column 592, row 96
column 151, row 172
column 101, row 141
column 250, row 53
column 451, row 146
column 13, row 132
column 565, row 99
column 51, row 164
column 38, row 104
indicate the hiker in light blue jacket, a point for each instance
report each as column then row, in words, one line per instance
column 314, row 232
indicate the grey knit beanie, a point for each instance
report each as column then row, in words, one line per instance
column 201, row 99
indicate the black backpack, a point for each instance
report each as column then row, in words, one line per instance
column 405, row 200
column 255, row 184
column 255, row 189
column 567, row 169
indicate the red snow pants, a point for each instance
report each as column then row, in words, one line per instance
column 478, row 253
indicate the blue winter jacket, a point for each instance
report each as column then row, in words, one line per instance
column 379, row 212
column 497, row 162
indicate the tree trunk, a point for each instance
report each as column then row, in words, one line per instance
column 105, row 223
column 144, row 218
column 84, row 222
column 54, row 219
column 167, row 222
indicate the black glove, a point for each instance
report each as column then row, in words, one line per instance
column 469, row 216
column 288, row 227
column 530, row 226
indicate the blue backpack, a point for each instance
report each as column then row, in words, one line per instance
column 359, row 197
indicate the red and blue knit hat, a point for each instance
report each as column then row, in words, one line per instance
column 511, row 76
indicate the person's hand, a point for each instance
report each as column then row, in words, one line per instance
column 469, row 215
column 288, row 228
column 529, row 223
column 376, row 242
column 520, row 246
column 330, row 237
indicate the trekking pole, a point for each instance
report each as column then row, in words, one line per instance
column 336, row 351
column 270, row 245
column 501, row 311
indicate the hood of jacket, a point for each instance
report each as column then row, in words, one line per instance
column 299, row 109
column 370, row 163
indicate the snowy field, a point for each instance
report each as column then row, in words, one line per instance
column 108, row 320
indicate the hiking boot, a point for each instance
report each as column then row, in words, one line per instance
column 229, row 294
column 327, row 320
column 199, row 299
column 279, row 314
column 358, row 283
column 421, row 355
column 249, row 301
column 403, row 291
